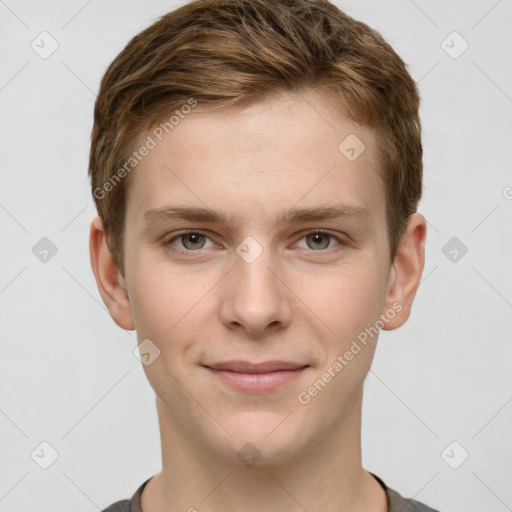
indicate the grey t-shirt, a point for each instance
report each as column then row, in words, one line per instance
column 395, row 501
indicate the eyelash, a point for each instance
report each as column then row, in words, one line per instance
column 190, row 253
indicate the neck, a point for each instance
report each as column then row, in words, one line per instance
column 327, row 476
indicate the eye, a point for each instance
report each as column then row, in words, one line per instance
column 191, row 241
column 320, row 240
column 194, row 241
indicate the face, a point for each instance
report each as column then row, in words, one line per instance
column 256, row 253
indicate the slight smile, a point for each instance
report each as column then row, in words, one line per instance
column 256, row 377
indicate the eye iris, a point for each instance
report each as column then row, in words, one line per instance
column 318, row 237
column 194, row 237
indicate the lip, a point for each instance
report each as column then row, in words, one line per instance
column 256, row 377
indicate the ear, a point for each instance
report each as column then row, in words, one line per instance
column 406, row 271
column 111, row 283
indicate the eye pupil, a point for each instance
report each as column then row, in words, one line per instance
column 318, row 237
column 194, row 239
column 316, row 240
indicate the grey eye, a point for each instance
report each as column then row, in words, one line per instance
column 196, row 240
column 321, row 240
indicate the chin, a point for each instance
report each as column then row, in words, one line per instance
column 262, row 439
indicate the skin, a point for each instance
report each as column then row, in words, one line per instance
column 304, row 299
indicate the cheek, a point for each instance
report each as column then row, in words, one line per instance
column 346, row 299
column 351, row 306
column 171, row 309
column 163, row 299
column 168, row 310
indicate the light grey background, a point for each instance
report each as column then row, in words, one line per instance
column 68, row 374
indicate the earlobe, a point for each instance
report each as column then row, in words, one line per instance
column 111, row 284
column 406, row 271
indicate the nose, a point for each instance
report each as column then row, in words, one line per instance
column 254, row 296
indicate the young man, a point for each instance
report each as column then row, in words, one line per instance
column 256, row 167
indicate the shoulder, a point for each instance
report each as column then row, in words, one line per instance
column 131, row 505
column 119, row 506
column 397, row 503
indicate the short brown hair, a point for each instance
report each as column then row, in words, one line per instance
column 220, row 52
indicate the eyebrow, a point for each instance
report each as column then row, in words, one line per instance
column 294, row 215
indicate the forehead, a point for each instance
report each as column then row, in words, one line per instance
column 259, row 158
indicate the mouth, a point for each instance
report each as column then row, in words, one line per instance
column 256, row 377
